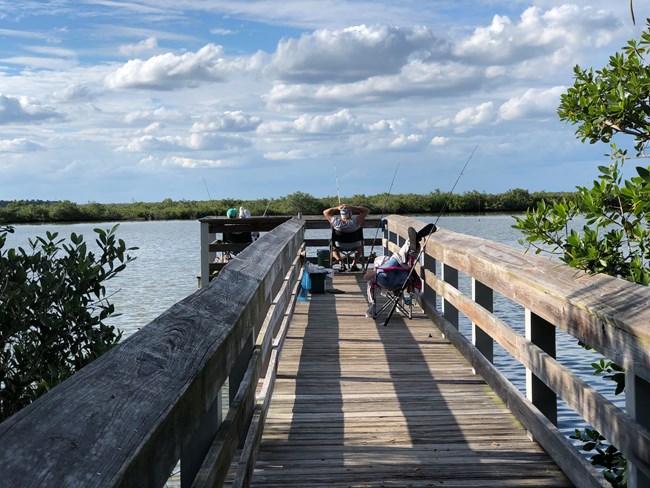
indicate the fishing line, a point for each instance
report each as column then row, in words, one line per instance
column 338, row 193
column 209, row 196
column 383, row 211
column 462, row 172
column 424, row 245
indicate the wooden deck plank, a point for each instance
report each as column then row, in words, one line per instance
column 357, row 404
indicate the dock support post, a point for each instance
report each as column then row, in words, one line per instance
column 205, row 254
column 484, row 296
column 542, row 334
column 637, row 399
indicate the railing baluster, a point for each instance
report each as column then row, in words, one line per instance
column 193, row 453
column 449, row 312
column 637, row 399
column 484, row 296
column 429, row 263
column 542, row 334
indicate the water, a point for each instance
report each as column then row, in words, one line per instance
column 168, row 262
column 165, row 269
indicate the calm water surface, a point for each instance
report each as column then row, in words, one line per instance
column 164, row 272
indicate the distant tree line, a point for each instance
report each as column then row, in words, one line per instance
column 516, row 200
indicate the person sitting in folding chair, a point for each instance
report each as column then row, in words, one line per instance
column 392, row 276
column 347, row 233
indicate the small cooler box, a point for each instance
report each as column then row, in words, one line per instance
column 323, row 256
column 317, row 282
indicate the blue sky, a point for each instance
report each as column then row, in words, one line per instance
column 142, row 100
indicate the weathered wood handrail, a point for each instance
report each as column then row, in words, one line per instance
column 127, row 418
column 609, row 314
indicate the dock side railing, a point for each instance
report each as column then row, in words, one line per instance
column 213, row 228
column 126, row 419
column 609, row 314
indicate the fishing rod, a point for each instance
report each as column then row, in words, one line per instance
column 267, row 207
column 383, row 211
column 424, row 245
column 209, row 196
column 338, row 193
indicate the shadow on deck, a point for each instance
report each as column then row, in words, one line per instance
column 359, row 404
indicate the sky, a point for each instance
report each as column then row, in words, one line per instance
column 115, row 101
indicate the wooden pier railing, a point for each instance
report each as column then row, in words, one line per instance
column 129, row 417
column 213, row 248
column 610, row 315
column 126, row 419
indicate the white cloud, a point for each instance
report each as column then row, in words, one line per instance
column 22, row 34
column 533, row 102
column 144, row 46
column 52, row 51
column 154, row 163
column 19, row 145
column 149, row 143
column 537, row 34
column 169, row 71
column 73, row 93
column 193, row 142
column 350, row 54
column 341, row 121
column 24, row 109
column 392, row 126
column 285, row 155
column 229, row 121
column 439, row 141
column 369, row 65
column 152, row 128
column 475, row 115
column 404, row 141
column 416, row 79
column 337, row 123
column 223, row 32
column 193, row 163
column 40, row 62
column 156, row 115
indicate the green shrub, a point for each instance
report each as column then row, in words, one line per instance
column 53, row 306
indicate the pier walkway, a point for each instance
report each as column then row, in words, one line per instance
column 359, row 404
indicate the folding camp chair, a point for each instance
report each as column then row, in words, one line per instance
column 240, row 241
column 402, row 298
column 346, row 254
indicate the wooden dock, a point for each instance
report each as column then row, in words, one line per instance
column 352, row 403
column 359, row 404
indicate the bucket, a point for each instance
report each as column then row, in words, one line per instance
column 323, row 256
column 317, row 282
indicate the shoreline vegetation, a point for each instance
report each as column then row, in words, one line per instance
column 37, row 211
